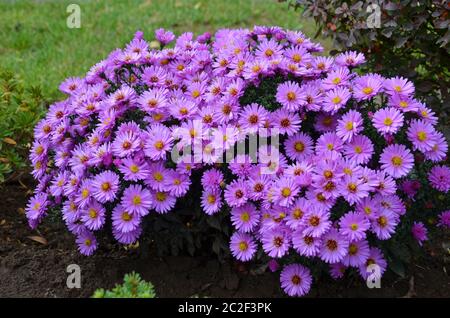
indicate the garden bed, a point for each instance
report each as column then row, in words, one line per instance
column 32, row 269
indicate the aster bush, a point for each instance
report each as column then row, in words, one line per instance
column 313, row 163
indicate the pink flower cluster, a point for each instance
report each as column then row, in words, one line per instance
column 331, row 186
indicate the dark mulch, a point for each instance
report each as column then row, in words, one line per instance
column 32, row 269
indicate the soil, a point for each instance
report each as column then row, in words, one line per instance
column 29, row 268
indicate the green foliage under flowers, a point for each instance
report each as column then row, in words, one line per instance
column 20, row 109
column 412, row 40
column 133, row 287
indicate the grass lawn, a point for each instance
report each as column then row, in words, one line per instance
column 36, row 42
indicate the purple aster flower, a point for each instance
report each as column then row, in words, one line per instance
column 93, row 216
column 134, row 170
column 105, row 186
column 125, row 221
column 242, row 246
column 334, row 247
column 295, row 280
column 328, row 142
column 337, row 270
column 127, row 237
column 358, row 252
column 410, row 187
column 286, row 122
column 306, row 245
column 125, row 144
column 290, row 96
column 236, row 193
column 158, row 142
column 155, row 99
column 158, row 176
column 284, row 191
column 276, row 242
column 212, row 179
column 359, row 150
column 164, row 37
column 375, row 258
column 211, row 201
column 37, row 206
column 245, row 218
column 273, row 265
column 419, row 232
column 313, row 96
column 349, row 125
column 177, row 183
column 296, row 213
column 404, row 103
column 253, row 117
column 325, row 122
column 444, row 219
column 439, row 177
column 335, row 99
column 350, row 58
column 387, row 120
column 137, row 200
column 268, row 50
column 384, row 224
column 71, row 85
column 316, row 222
column 87, row 243
column 439, row 149
column 367, row 86
column 397, row 160
column 398, row 86
column 353, row 189
column 162, row 201
column 336, row 78
column 421, row 134
column 354, row 226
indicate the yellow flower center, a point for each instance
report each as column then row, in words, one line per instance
column 332, row 245
column 134, row 168
column 92, row 213
column 158, row 176
column 296, row 58
column 291, row 96
column 243, row 246
column 296, row 280
column 245, row 216
column 106, row 186
column 397, row 161
column 422, row 136
column 382, row 221
column 403, row 104
column 137, row 200
column 211, row 199
column 367, row 90
column 161, row 196
column 299, row 146
column 285, row 192
column 353, row 249
column 159, row 145
column 388, row 121
column 126, row 217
